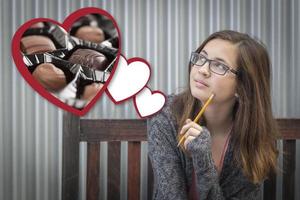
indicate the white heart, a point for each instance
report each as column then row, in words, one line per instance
column 128, row 79
column 148, row 102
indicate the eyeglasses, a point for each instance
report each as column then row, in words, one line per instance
column 214, row 66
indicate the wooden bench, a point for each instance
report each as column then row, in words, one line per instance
column 134, row 131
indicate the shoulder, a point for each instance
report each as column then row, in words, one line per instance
column 166, row 112
column 164, row 120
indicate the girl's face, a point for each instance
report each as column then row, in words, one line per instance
column 203, row 81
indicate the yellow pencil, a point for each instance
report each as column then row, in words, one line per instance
column 199, row 115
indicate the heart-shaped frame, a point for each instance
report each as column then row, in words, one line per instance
column 67, row 23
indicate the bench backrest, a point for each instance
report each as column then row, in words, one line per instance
column 135, row 131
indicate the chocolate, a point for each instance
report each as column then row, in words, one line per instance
column 37, row 25
column 89, row 58
column 91, row 90
column 36, row 44
column 90, row 33
column 50, row 77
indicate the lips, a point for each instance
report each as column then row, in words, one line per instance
column 201, row 83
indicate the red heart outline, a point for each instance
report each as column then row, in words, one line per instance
column 15, row 48
column 152, row 92
column 130, row 60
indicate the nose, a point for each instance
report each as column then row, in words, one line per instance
column 204, row 69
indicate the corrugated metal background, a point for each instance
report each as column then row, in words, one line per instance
column 162, row 32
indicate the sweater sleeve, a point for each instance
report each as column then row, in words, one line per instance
column 168, row 172
column 208, row 187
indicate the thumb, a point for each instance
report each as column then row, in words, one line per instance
column 188, row 120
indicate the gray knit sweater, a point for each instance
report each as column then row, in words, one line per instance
column 173, row 168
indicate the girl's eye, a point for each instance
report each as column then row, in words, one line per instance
column 202, row 58
column 220, row 66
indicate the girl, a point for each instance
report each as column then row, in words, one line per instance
column 234, row 149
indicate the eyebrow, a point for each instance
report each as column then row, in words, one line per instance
column 219, row 59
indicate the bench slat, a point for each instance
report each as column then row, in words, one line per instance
column 70, row 163
column 270, row 188
column 136, row 129
column 113, row 168
column 113, row 130
column 289, row 165
column 134, row 163
column 289, row 128
column 150, row 180
column 93, row 171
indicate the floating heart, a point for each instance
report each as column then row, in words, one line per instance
column 42, row 79
column 149, row 102
column 129, row 78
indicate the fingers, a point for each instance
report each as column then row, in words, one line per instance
column 188, row 140
column 190, row 124
column 191, row 134
column 191, row 130
column 188, row 120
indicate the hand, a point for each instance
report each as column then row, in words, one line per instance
column 191, row 131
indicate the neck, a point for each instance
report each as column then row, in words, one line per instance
column 219, row 118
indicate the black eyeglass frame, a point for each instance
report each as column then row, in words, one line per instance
column 209, row 62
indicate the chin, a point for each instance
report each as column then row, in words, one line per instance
column 199, row 94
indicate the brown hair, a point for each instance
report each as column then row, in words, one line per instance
column 254, row 128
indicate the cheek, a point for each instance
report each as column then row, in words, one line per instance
column 190, row 79
column 192, row 72
column 224, row 88
column 199, row 94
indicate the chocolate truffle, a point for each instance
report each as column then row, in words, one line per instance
column 89, row 58
column 90, row 33
column 90, row 91
column 50, row 77
column 37, row 25
column 36, row 44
